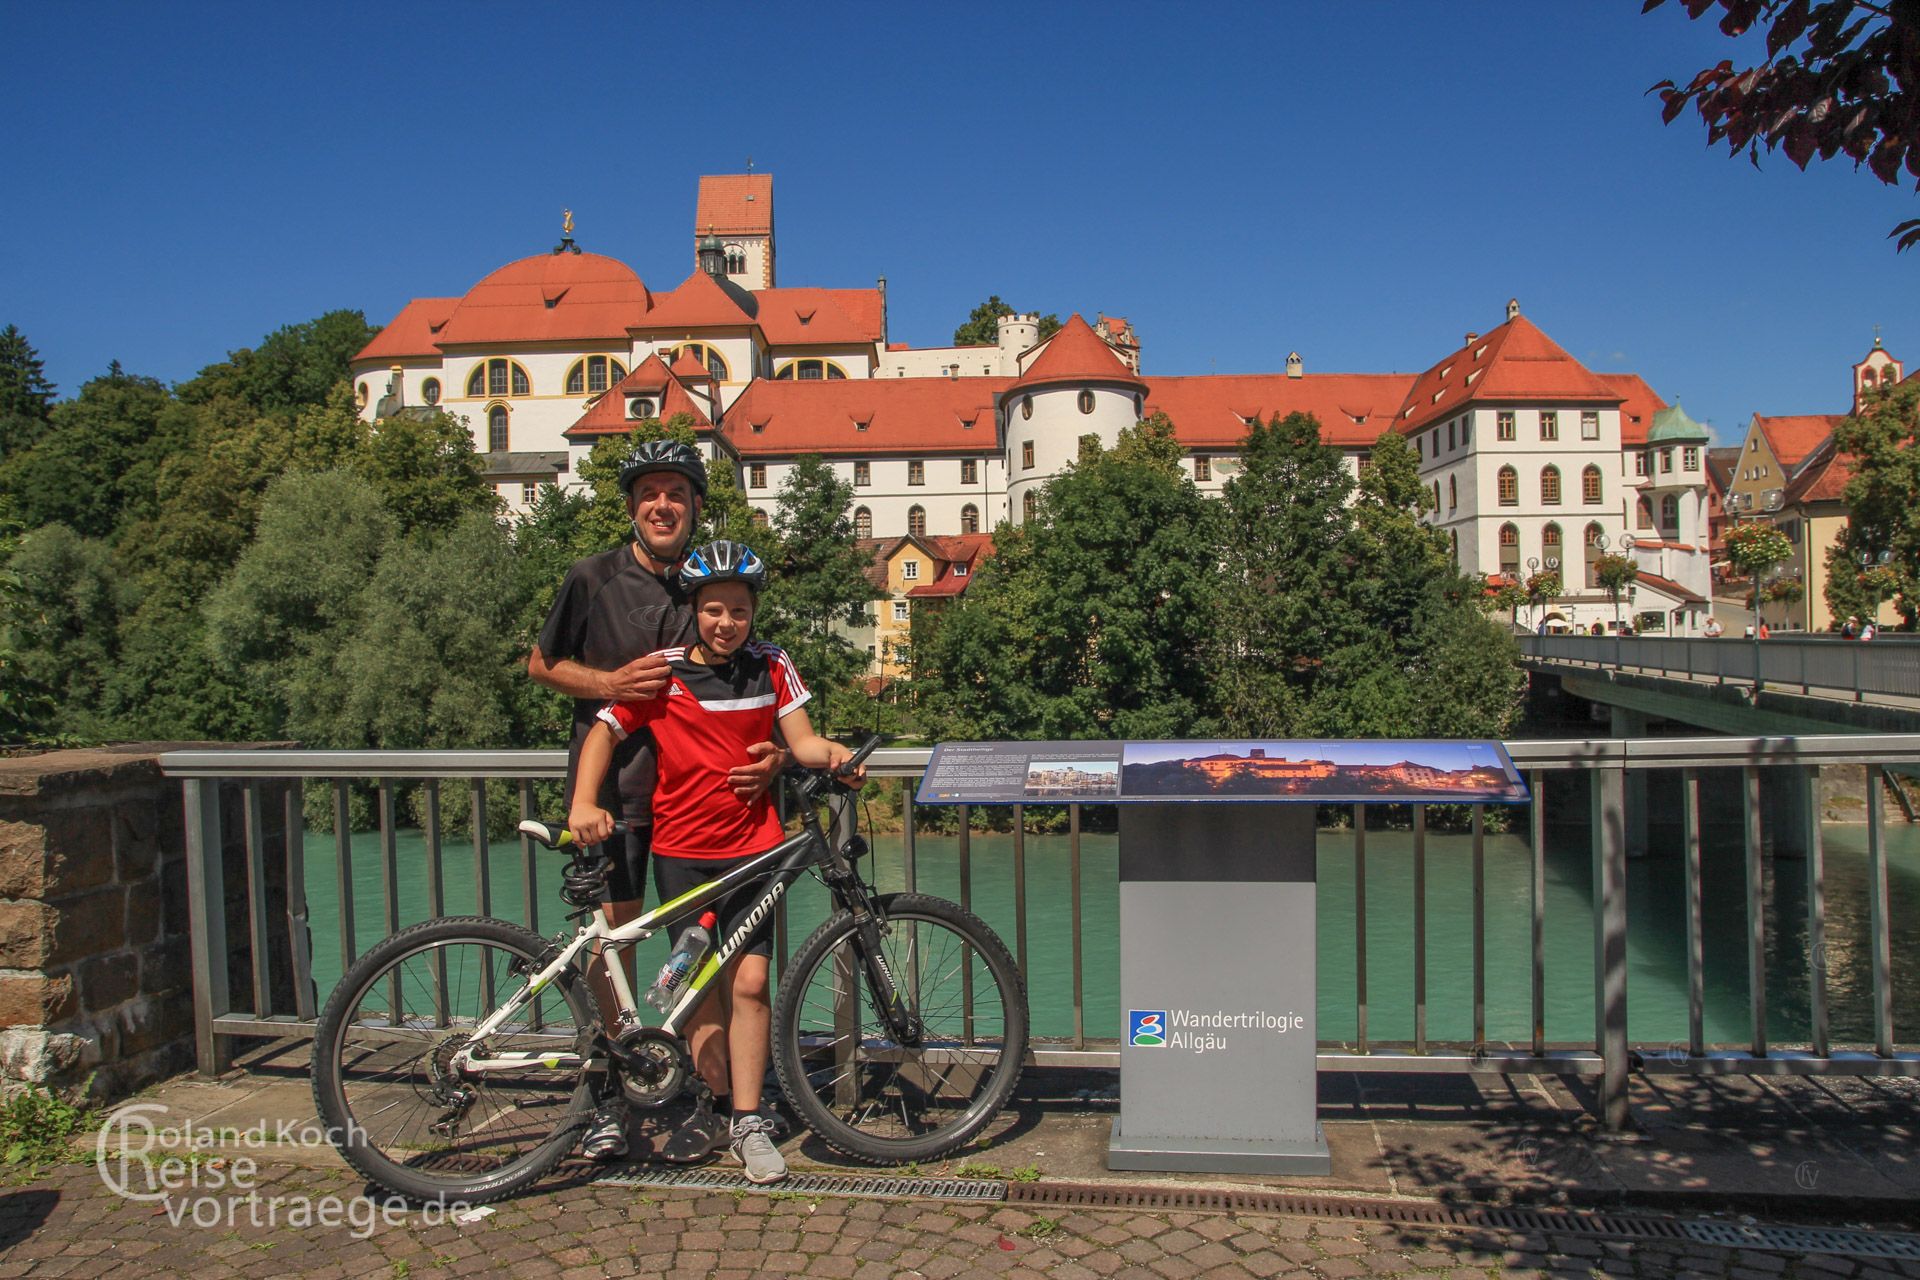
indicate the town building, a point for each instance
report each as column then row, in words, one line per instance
column 1790, row 473
column 1532, row 459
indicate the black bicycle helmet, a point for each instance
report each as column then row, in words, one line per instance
column 723, row 561
column 664, row 455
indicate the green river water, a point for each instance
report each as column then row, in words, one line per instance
column 1656, row 986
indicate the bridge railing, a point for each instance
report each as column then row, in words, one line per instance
column 1612, row 768
column 1811, row 664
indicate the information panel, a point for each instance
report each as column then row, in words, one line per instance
column 1379, row 770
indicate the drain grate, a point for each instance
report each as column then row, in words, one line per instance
column 1859, row 1244
column 856, row 1186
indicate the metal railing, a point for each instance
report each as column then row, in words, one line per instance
column 1610, row 764
column 1829, row 666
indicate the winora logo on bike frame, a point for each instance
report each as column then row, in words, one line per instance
column 752, row 921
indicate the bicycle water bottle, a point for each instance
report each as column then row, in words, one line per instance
column 688, row 952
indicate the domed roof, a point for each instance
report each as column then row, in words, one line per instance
column 1077, row 354
column 550, row 296
column 1672, row 425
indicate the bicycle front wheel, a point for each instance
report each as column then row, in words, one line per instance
column 870, row 1096
column 386, row 1077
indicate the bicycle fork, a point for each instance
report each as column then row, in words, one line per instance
column 883, row 988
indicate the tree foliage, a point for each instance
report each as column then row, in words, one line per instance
column 1840, row 78
column 1883, row 504
column 294, row 367
column 26, row 397
column 982, row 328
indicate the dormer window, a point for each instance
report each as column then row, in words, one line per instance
column 640, row 407
column 959, row 570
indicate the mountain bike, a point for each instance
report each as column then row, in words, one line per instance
column 461, row 1059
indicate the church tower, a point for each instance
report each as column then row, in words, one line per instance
column 1878, row 369
column 736, row 211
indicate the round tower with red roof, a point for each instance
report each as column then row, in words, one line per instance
column 1076, row 385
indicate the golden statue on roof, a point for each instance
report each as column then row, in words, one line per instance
column 566, row 222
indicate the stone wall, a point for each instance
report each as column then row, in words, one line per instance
column 96, row 983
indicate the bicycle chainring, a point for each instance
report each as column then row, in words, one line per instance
column 657, row 1067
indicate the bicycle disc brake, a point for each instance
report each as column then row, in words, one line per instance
column 656, row 1066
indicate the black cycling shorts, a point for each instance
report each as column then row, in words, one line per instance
column 675, row 876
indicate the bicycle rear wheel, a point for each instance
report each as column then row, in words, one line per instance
column 383, row 1074
column 869, row 1096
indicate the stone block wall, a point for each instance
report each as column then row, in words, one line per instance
column 96, row 983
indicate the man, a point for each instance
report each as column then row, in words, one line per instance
column 614, row 609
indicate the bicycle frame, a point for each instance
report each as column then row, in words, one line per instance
column 780, row 866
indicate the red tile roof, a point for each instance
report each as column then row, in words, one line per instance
column 965, row 550
column 1210, row 411
column 551, row 297
column 688, row 368
column 1793, row 437
column 608, row 415
column 1823, row 478
column 700, row 302
column 1515, row 362
column 821, row 317
column 734, row 204
column 1077, row 354
column 1639, row 403
column 1669, row 587
column 414, row 332
column 901, row 415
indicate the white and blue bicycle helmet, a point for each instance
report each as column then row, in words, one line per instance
column 723, row 561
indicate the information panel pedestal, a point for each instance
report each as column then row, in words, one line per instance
column 1217, row 955
column 1217, row 991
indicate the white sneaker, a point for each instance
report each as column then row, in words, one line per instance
column 753, row 1147
column 606, row 1135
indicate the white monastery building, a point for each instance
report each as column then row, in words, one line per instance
column 1534, row 460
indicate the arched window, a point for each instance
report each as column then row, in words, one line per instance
column 736, row 260
column 1866, row 377
column 716, row 364
column 593, row 375
column 1510, row 550
column 1509, row 487
column 498, row 377
column 1591, row 554
column 1643, row 513
column 969, row 519
column 1026, row 406
column 917, row 521
column 759, row 518
column 862, row 523
column 1670, row 514
column 1027, row 507
column 360, row 395
column 1453, row 493
column 1590, row 484
column 1550, row 546
column 497, row 429
column 809, row 370
column 430, row 391
column 1550, row 486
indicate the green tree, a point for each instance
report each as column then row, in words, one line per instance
column 97, row 463
column 1087, row 620
column 1615, row 573
column 62, row 604
column 1840, row 77
column 425, row 470
column 817, row 586
column 982, row 328
column 1284, row 603
column 294, row 367
column 1883, row 507
column 26, row 397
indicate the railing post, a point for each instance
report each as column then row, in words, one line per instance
column 207, row 922
column 1610, row 938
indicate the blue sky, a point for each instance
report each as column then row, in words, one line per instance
column 1362, row 182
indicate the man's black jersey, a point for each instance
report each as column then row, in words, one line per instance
column 610, row 611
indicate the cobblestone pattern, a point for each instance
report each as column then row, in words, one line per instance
column 70, row 1224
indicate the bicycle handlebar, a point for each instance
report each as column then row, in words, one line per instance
column 558, row 837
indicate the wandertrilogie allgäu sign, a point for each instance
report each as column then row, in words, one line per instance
column 1383, row 771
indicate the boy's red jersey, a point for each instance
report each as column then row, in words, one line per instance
column 702, row 723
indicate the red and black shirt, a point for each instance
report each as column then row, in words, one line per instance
column 702, row 723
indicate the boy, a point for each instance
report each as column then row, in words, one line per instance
column 726, row 693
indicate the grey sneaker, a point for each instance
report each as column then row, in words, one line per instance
column 753, row 1147
column 606, row 1136
column 702, row 1134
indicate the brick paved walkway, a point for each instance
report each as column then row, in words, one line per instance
column 69, row 1224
